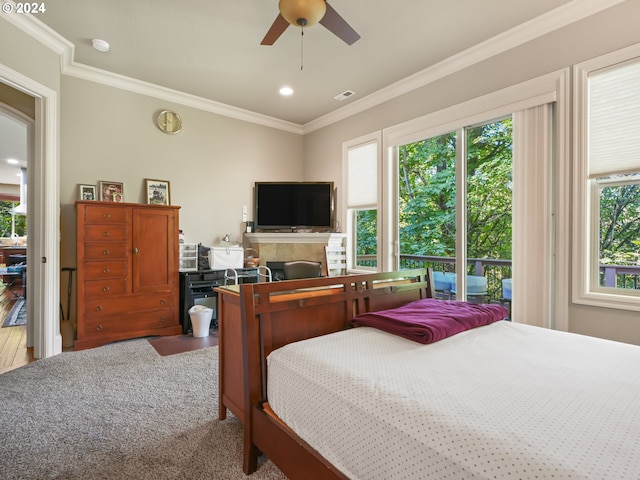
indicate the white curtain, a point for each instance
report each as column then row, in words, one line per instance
column 533, row 298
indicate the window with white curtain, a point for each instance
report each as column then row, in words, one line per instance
column 607, row 247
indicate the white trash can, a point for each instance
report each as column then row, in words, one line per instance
column 200, row 320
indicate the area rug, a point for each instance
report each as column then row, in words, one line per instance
column 120, row 412
column 17, row 315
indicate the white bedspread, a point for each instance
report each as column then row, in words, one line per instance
column 504, row 401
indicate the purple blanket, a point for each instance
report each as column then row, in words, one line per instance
column 429, row 320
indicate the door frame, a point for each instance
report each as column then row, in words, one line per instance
column 43, row 218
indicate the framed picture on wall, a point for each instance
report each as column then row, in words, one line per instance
column 111, row 191
column 86, row 192
column 157, row 192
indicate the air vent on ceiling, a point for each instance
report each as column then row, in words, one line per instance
column 345, row 94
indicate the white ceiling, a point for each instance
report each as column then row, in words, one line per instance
column 210, row 49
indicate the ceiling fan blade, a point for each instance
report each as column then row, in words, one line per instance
column 278, row 27
column 333, row 22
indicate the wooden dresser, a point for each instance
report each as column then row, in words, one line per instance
column 127, row 271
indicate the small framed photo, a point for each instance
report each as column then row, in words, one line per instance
column 157, row 192
column 86, row 192
column 111, row 191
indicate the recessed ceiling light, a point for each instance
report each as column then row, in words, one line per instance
column 12, row 161
column 286, row 91
column 100, row 45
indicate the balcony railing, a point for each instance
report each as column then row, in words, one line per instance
column 614, row 276
column 493, row 269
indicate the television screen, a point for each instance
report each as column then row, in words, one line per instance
column 285, row 205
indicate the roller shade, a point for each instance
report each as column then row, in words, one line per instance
column 614, row 120
column 362, row 172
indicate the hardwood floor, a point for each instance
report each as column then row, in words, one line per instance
column 13, row 340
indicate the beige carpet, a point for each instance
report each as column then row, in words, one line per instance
column 121, row 411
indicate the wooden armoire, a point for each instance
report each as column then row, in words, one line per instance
column 127, row 272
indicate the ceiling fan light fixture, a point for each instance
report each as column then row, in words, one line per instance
column 302, row 13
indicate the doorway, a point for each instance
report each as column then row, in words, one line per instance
column 16, row 133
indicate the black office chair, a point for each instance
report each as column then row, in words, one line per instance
column 302, row 269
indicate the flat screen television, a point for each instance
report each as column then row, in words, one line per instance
column 294, row 205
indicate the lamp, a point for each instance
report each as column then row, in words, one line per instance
column 302, row 13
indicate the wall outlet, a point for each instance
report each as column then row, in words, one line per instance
column 244, row 213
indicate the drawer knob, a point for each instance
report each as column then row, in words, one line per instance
column 106, row 252
column 106, row 270
column 99, row 328
column 106, row 215
column 136, row 251
column 162, row 319
column 99, row 308
column 163, row 301
column 106, row 234
column 105, row 289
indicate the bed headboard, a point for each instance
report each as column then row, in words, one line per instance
column 277, row 313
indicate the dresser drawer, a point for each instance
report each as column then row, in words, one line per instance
column 123, row 305
column 106, row 233
column 105, row 214
column 98, row 270
column 105, row 288
column 105, row 251
column 131, row 325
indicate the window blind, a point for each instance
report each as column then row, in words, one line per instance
column 362, row 171
column 614, row 120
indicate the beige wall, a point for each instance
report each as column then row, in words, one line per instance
column 110, row 134
column 611, row 30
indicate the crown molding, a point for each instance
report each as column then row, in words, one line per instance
column 38, row 30
column 116, row 80
column 555, row 19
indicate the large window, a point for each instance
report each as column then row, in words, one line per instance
column 471, row 187
column 428, row 201
column 608, row 185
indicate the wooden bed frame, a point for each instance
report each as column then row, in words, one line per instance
column 275, row 314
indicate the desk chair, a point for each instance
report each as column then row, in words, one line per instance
column 302, row 269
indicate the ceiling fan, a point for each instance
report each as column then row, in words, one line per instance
column 305, row 13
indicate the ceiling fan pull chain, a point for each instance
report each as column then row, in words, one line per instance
column 301, row 48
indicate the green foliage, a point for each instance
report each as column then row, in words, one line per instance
column 620, row 225
column 428, row 193
column 5, row 220
column 367, row 231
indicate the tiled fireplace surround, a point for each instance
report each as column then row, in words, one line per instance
column 284, row 247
